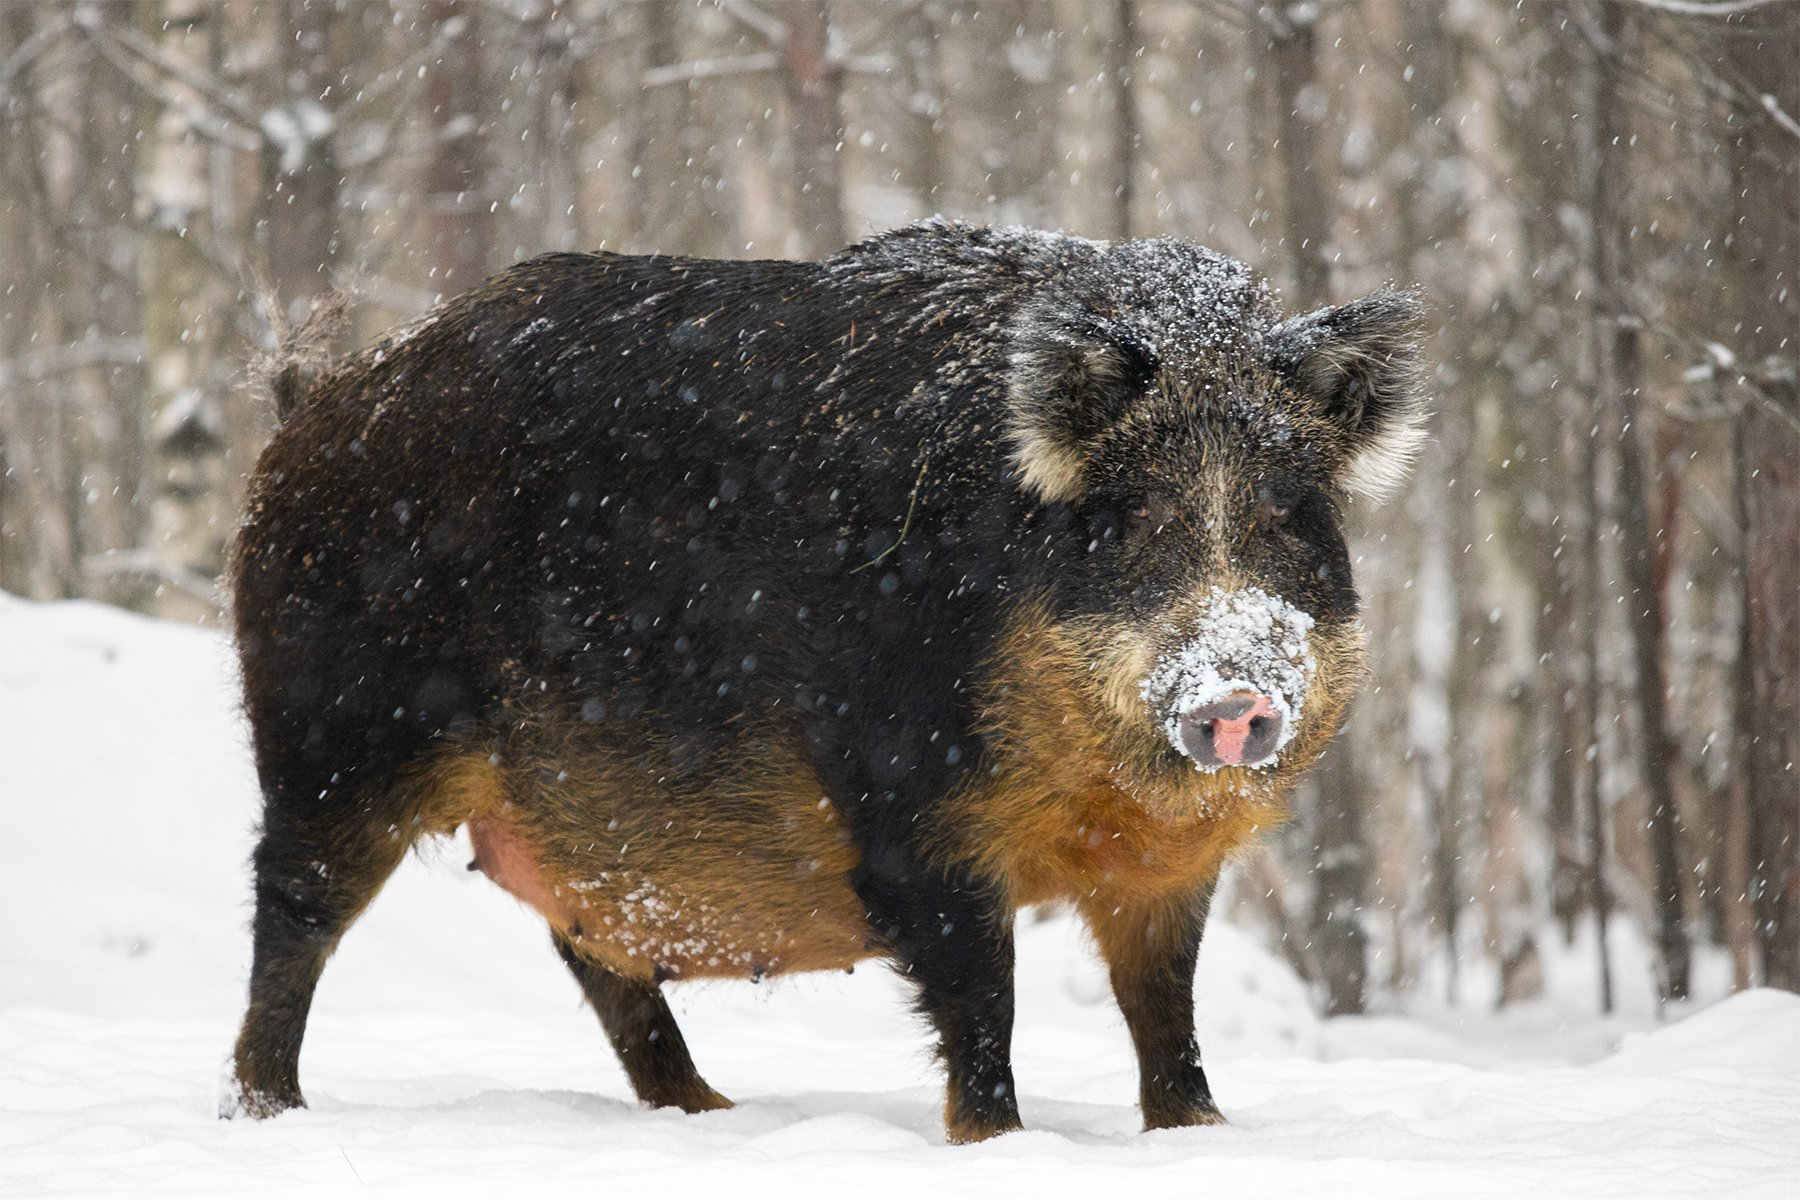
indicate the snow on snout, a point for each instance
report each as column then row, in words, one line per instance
column 1248, row 641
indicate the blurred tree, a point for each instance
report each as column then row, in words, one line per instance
column 1582, row 713
column 1308, row 187
column 812, row 80
column 1763, row 118
column 1609, row 34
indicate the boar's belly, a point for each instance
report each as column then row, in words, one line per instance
column 680, row 890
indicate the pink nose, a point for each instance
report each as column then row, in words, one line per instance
column 1240, row 730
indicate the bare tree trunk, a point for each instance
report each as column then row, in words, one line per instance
column 1122, row 52
column 654, row 118
column 924, row 104
column 117, row 462
column 1611, row 35
column 1741, row 924
column 1766, row 245
column 1599, row 892
column 97, row 404
column 674, row 200
column 813, row 81
column 1450, row 756
column 1306, row 183
column 459, row 220
column 560, row 159
column 1341, row 884
column 301, row 175
column 1591, row 493
column 37, row 551
column 1772, row 651
column 1559, row 627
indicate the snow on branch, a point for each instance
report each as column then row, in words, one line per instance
column 751, row 64
column 773, row 30
column 143, row 563
column 711, row 68
column 1780, row 116
column 1709, row 8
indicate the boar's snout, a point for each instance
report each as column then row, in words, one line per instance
column 1243, row 729
column 1231, row 693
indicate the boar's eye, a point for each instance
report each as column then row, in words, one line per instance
column 1147, row 514
column 1273, row 508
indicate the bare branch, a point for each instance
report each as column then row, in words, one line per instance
column 870, row 64
column 407, row 71
column 712, row 68
column 1241, row 13
column 59, row 360
column 1723, row 363
column 223, row 130
column 33, row 48
column 772, row 29
column 146, row 52
column 143, row 562
column 391, row 293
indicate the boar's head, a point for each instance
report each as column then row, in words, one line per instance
column 1194, row 451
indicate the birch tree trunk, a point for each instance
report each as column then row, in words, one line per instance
column 189, row 502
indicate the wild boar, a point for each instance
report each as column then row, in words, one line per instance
column 762, row 617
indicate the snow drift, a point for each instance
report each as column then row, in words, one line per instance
column 449, row 1053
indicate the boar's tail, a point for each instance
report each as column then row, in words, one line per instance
column 288, row 388
column 303, row 356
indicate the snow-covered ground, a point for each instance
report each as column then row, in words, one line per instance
column 450, row 1055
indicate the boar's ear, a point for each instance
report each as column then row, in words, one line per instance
column 1069, row 383
column 1360, row 362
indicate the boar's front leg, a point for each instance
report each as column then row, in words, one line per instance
column 1151, row 947
column 643, row 1034
column 953, row 937
column 898, row 747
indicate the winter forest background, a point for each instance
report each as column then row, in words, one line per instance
column 1585, row 709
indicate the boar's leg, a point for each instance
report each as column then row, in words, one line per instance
column 1150, row 949
column 643, row 1033
column 901, row 744
column 313, row 878
column 946, row 927
column 953, row 937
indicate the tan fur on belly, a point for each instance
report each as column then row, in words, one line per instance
column 651, row 878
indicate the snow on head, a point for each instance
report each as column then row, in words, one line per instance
column 1249, row 641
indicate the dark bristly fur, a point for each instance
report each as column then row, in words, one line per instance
column 762, row 616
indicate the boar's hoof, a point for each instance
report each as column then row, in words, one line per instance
column 1183, row 1118
column 697, row 1099
column 968, row 1130
column 969, row 1134
column 242, row 1100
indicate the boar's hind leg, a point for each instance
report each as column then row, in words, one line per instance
column 643, row 1033
column 313, row 878
column 1150, row 950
